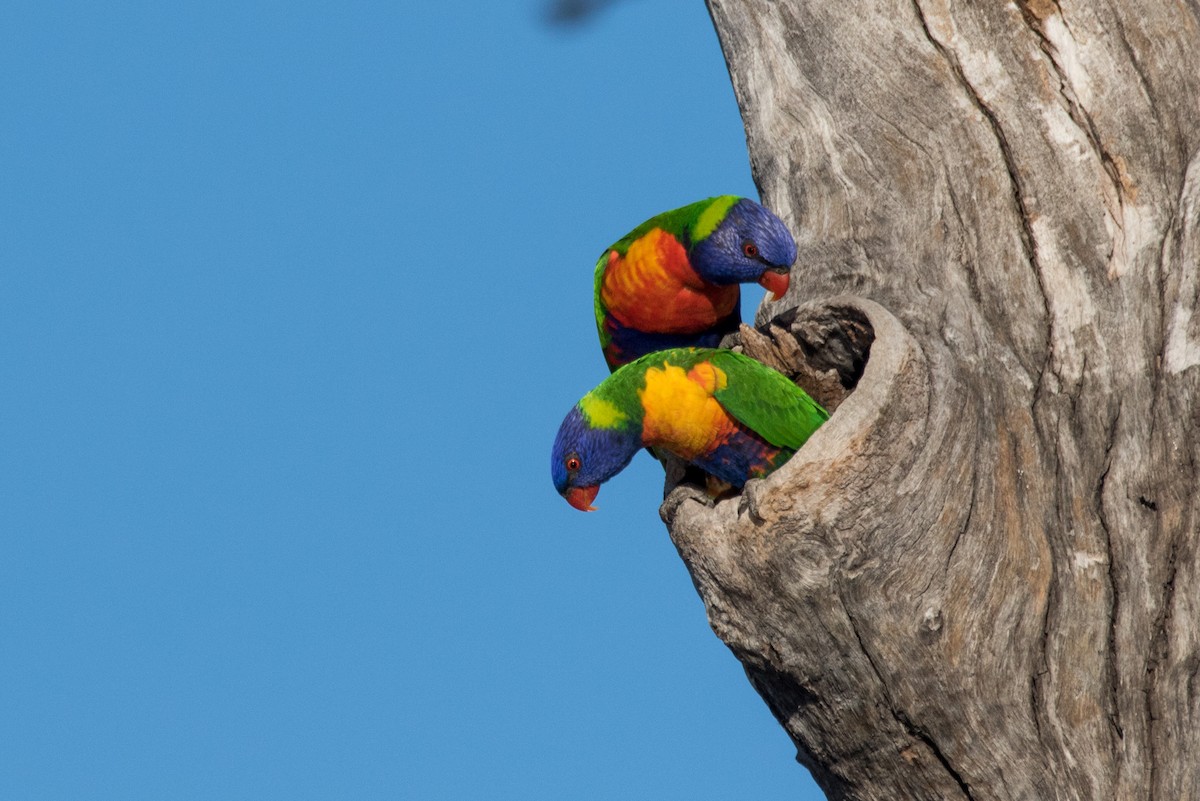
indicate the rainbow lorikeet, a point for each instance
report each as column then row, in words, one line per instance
column 726, row 413
column 673, row 281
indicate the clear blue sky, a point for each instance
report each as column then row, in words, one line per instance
column 293, row 297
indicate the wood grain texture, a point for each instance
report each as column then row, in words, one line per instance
column 979, row 579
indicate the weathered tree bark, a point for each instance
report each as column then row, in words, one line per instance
column 979, row 579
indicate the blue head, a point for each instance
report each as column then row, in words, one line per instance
column 585, row 456
column 748, row 244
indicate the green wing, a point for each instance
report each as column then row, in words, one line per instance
column 767, row 402
column 601, row 264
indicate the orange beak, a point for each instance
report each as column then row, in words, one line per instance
column 775, row 283
column 581, row 497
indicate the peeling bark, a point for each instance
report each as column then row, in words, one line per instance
column 977, row 580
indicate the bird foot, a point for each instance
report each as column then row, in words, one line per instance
column 680, row 495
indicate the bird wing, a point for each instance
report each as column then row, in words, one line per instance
column 766, row 401
column 601, row 265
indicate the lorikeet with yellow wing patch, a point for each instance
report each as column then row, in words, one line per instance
column 674, row 280
column 726, row 413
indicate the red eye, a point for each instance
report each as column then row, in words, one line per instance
column 572, row 464
column 751, row 250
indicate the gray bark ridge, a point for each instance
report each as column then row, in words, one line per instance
column 978, row 579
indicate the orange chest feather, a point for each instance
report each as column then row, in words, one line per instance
column 680, row 412
column 654, row 288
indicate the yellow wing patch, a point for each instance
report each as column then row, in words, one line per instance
column 601, row 413
column 680, row 412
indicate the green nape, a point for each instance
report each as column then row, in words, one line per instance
column 691, row 223
column 711, row 216
column 601, row 413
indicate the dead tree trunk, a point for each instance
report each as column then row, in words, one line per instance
column 979, row 579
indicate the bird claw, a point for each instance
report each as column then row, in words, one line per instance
column 677, row 497
column 748, row 502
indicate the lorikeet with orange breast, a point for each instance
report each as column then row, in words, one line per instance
column 731, row 416
column 673, row 281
